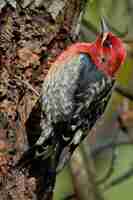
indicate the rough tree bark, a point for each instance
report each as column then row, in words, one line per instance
column 32, row 34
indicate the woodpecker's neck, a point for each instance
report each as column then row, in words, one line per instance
column 105, row 60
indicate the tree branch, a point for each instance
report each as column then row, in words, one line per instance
column 120, row 179
column 124, row 92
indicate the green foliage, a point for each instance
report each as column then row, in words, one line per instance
column 64, row 185
column 124, row 190
column 116, row 13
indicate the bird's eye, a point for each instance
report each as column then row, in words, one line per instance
column 107, row 43
column 103, row 60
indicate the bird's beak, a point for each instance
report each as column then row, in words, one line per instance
column 104, row 26
column 104, row 29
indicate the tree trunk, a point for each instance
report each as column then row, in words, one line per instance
column 32, row 34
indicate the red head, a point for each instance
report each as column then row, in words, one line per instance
column 108, row 52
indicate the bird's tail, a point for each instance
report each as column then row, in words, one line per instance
column 45, row 173
column 43, row 168
column 26, row 158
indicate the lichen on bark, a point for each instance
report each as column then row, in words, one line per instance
column 32, row 34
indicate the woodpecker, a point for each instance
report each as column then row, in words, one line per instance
column 74, row 95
